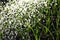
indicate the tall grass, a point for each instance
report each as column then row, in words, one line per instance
column 34, row 20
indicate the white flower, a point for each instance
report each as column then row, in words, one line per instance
column 45, row 3
column 20, row 23
column 39, row 19
column 20, row 8
column 9, row 22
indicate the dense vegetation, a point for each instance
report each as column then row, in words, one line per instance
column 30, row 20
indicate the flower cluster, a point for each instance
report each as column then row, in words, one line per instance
column 21, row 12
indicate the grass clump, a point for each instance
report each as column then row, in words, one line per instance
column 30, row 20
